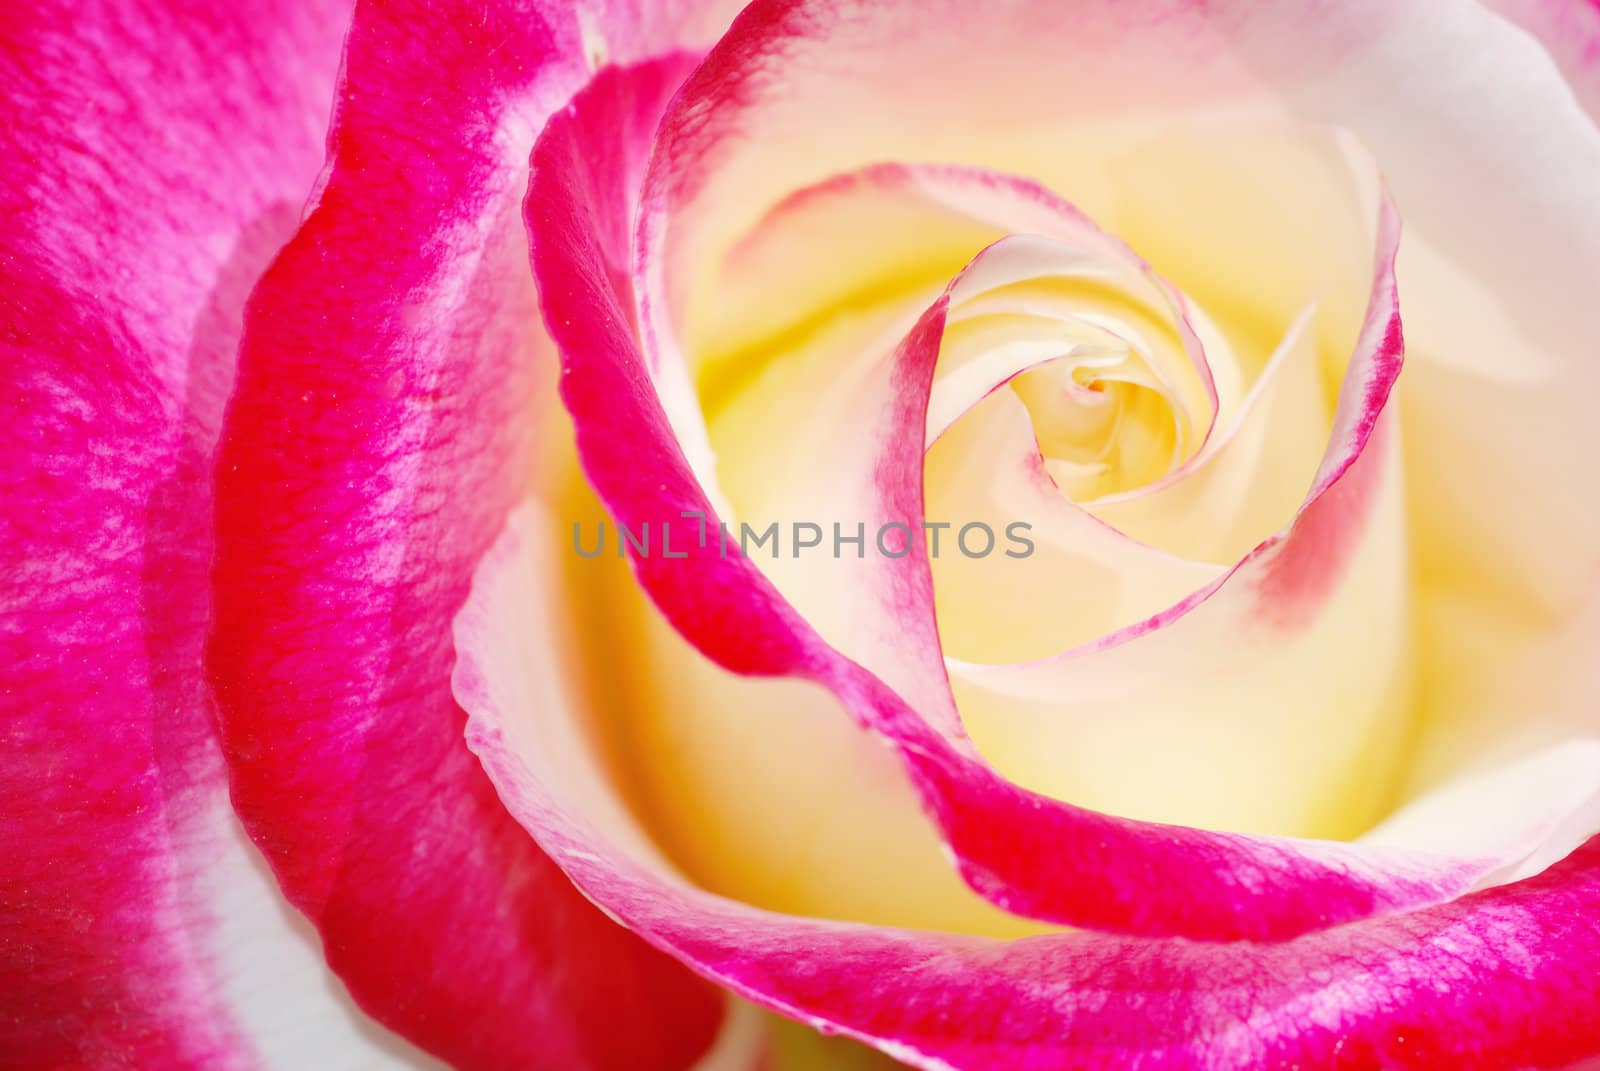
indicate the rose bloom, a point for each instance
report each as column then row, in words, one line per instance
column 1262, row 732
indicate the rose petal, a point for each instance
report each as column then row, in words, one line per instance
column 1252, row 477
column 383, row 422
column 1204, row 713
column 1500, row 321
column 1501, row 978
column 987, row 470
column 1510, row 693
column 1488, row 814
column 724, row 769
column 1570, row 30
column 154, row 161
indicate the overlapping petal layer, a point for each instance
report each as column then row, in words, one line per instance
column 1144, row 71
column 799, row 417
column 154, row 160
column 1570, row 30
column 1494, row 979
column 792, row 415
column 380, row 428
column 1196, row 883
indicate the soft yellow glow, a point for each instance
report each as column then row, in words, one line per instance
column 762, row 790
column 765, row 791
column 1228, row 718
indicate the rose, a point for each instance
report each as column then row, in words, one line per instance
column 373, row 378
column 394, row 392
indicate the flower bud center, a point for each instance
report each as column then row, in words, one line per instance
column 1096, row 353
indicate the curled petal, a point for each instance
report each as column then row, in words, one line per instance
column 1504, row 977
column 389, row 383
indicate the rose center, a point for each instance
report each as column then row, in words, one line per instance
column 1110, row 374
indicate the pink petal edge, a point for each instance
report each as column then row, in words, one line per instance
column 155, row 160
column 1504, row 977
column 379, row 432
